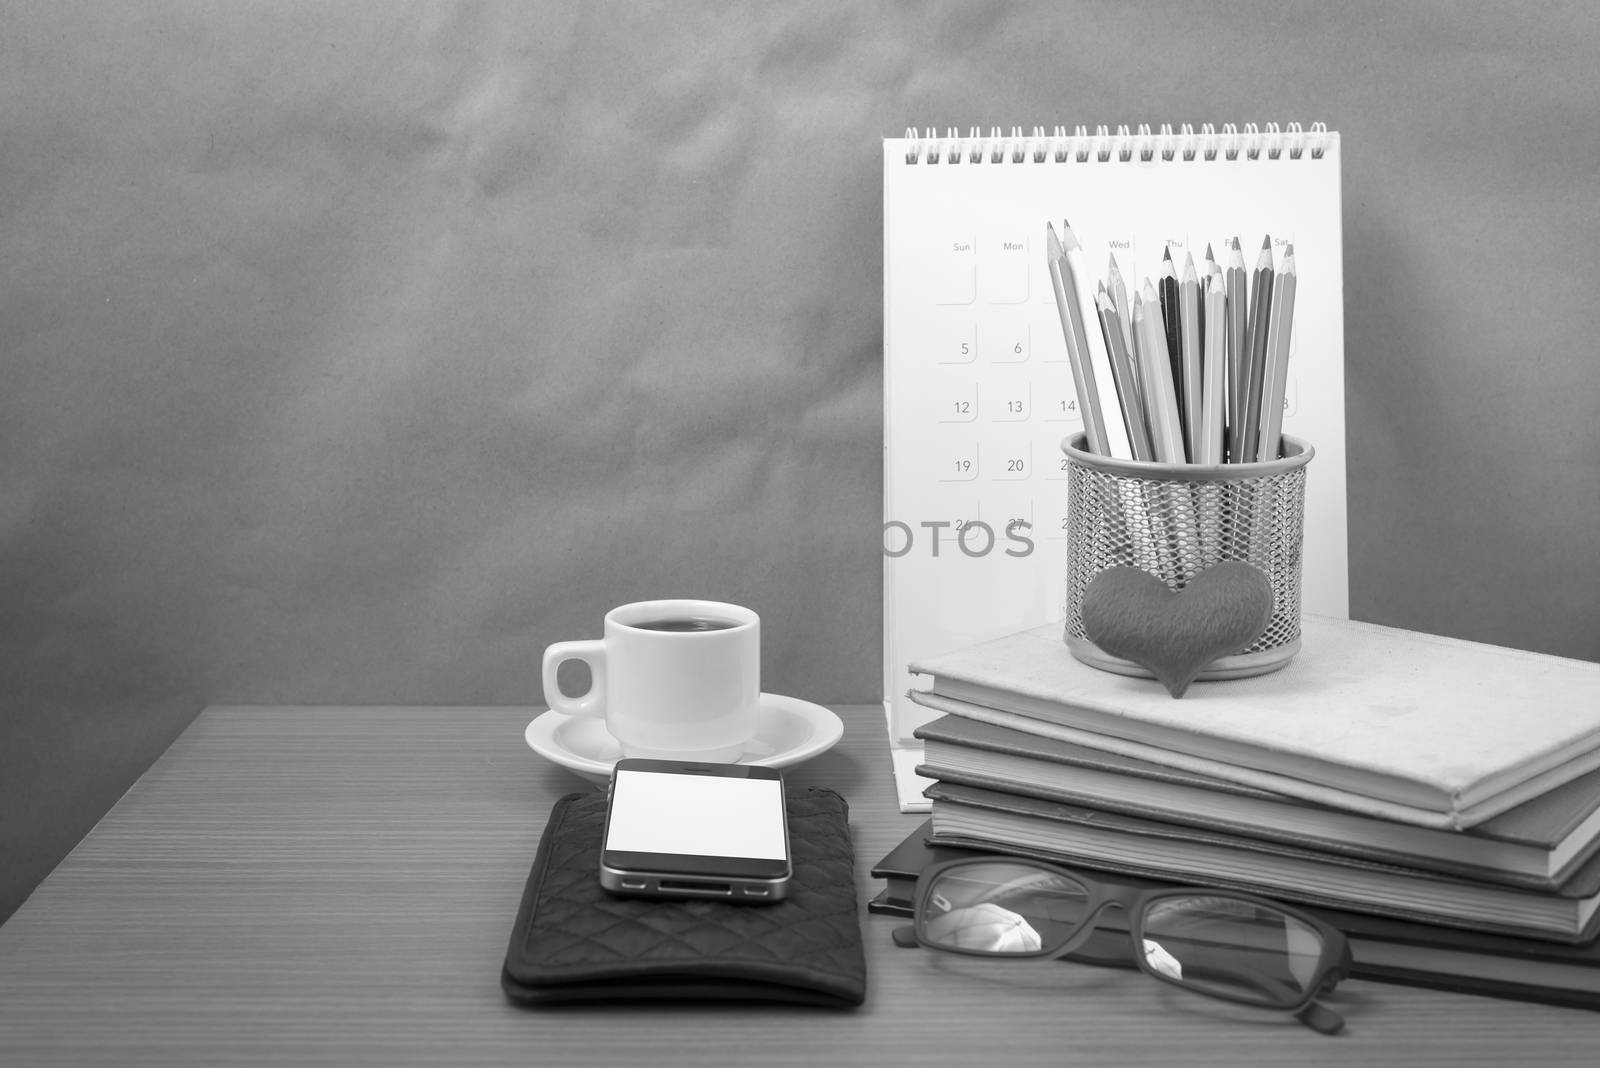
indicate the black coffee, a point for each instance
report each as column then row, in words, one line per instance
column 685, row 624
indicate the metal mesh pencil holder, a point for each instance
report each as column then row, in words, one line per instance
column 1175, row 520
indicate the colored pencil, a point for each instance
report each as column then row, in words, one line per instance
column 1260, row 322
column 1077, row 344
column 1193, row 356
column 1215, row 382
column 1238, row 333
column 1167, row 291
column 1277, row 376
column 1118, row 290
column 1079, row 283
column 1123, row 375
column 1161, row 405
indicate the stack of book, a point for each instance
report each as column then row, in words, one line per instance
column 1439, row 800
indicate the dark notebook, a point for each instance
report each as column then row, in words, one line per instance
column 899, row 870
column 970, row 816
column 573, row 941
column 1384, row 949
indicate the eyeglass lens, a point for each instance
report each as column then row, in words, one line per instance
column 1210, row 943
column 1000, row 907
column 1231, row 947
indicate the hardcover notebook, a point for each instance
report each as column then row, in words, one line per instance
column 1405, row 726
column 1537, row 844
column 978, row 394
column 974, row 817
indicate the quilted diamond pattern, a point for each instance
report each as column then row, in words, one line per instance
column 574, row 941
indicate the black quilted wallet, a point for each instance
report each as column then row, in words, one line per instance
column 574, row 942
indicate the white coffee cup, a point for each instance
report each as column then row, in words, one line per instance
column 672, row 679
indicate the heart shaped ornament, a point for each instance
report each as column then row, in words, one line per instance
column 1175, row 634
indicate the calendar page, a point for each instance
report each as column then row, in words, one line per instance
column 979, row 394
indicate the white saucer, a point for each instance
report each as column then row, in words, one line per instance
column 791, row 731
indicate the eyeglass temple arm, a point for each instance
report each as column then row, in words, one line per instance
column 1319, row 1017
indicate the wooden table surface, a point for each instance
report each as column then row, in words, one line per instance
column 337, row 885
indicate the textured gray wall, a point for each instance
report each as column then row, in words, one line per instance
column 354, row 351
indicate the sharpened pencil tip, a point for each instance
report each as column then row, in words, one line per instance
column 1266, row 242
column 1209, row 256
column 1166, row 254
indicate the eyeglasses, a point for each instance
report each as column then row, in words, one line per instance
column 1227, row 945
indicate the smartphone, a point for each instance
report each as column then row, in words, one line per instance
column 678, row 828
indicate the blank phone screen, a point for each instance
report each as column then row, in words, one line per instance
column 696, row 815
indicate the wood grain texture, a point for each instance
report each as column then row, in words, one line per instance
column 316, row 886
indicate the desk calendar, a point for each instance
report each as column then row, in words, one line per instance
column 978, row 394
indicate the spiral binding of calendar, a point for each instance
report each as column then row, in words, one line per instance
column 1125, row 145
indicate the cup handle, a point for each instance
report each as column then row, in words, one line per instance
column 592, row 653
